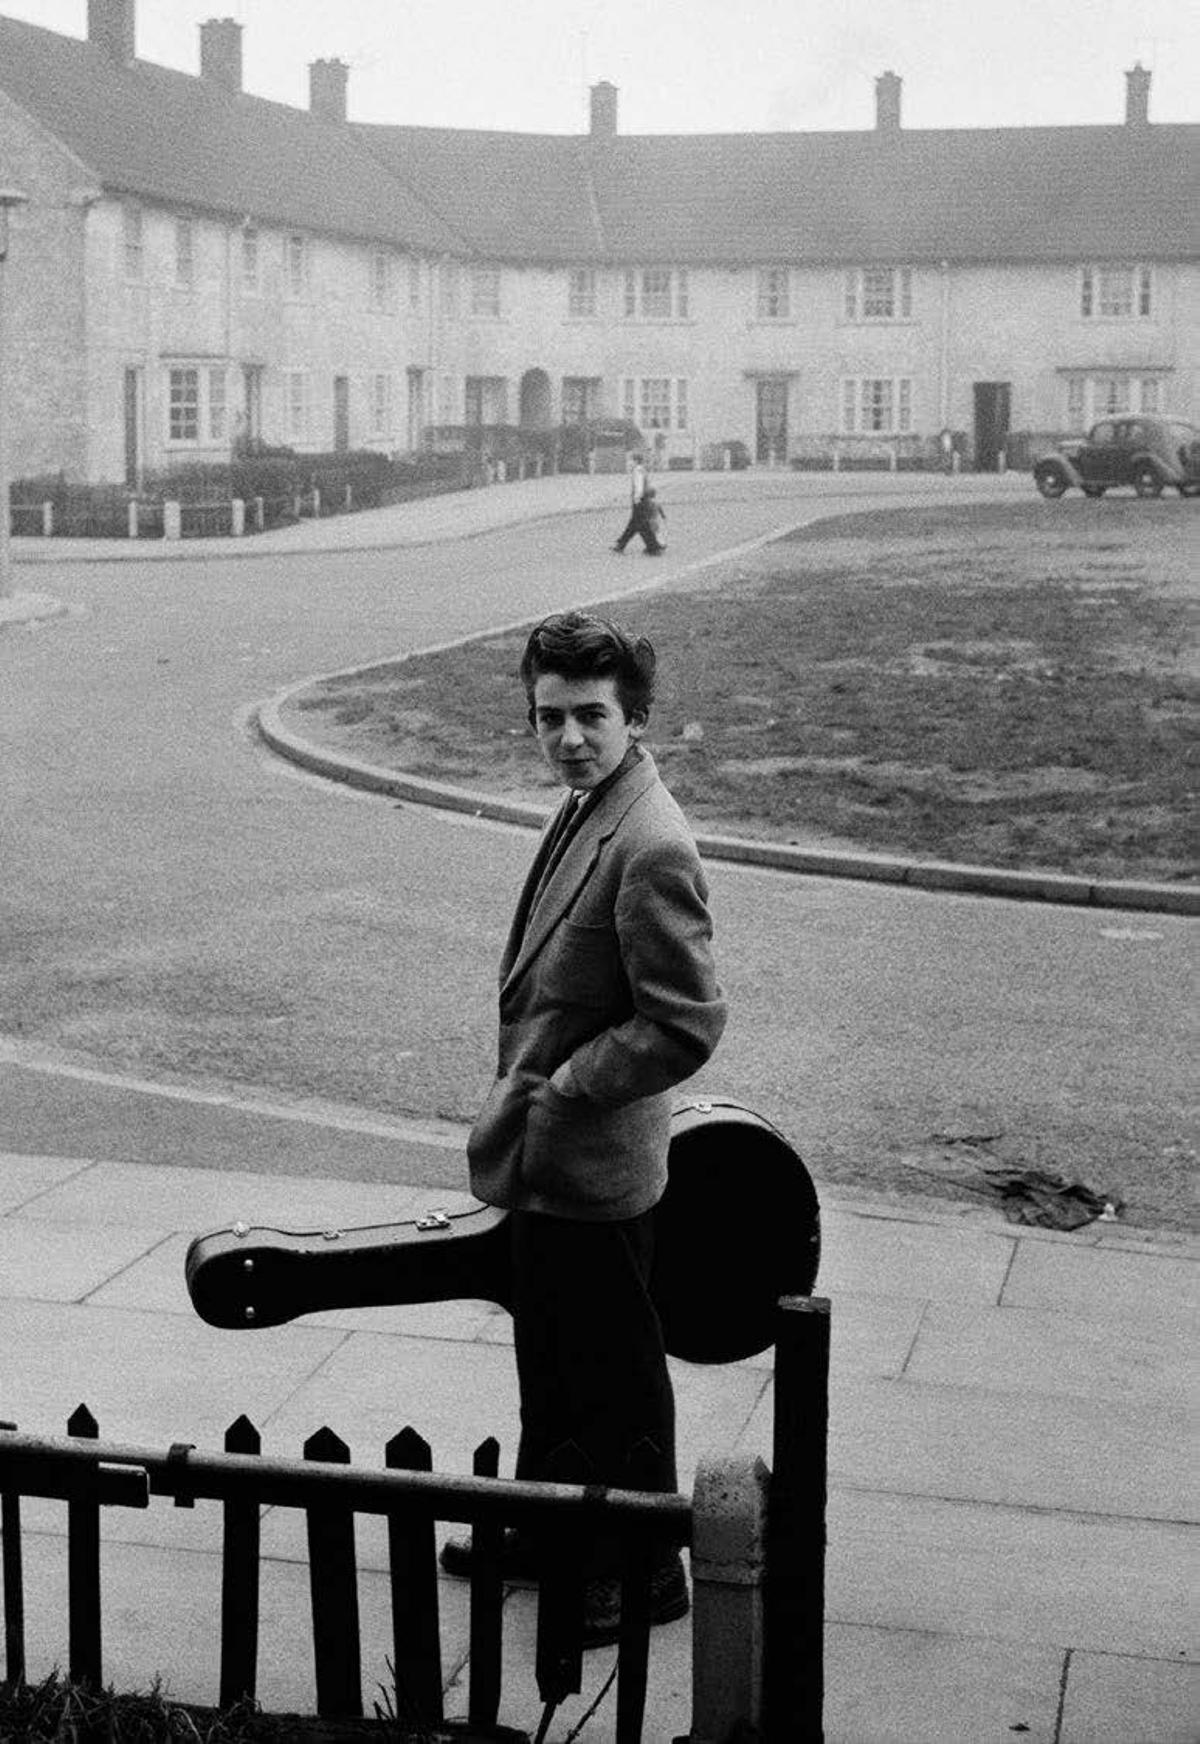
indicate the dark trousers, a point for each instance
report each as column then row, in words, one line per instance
column 638, row 523
column 590, row 1359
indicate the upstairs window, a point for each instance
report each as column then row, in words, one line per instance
column 249, row 258
column 131, row 236
column 448, row 290
column 774, row 293
column 485, row 291
column 879, row 293
column 381, row 279
column 656, row 293
column 581, row 293
column 296, row 266
column 1115, row 293
column 414, row 284
column 185, row 253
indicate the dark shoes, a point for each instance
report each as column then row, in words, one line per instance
column 601, row 1598
column 602, row 1603
column 518, row 1559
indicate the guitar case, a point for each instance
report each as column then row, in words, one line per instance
column 738, row 1227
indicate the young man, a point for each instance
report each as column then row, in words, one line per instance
column 608, row 998
column 639, row 484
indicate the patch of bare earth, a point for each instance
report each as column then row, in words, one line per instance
column 1010, row 684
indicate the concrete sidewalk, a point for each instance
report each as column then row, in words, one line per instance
column 1009, row 1536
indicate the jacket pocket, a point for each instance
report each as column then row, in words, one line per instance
column 581, row 965
column 590, row 1155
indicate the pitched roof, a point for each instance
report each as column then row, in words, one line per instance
column 1010, row 194
column 162, row 135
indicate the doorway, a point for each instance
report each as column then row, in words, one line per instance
column 133, row 428
column 341, row 414
column 771, row 423
column 993, row 409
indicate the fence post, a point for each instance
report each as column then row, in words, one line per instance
column 316, row 503
column 83, row 1562
column 237, row 517
column 172, row 521
column 240, row 1580
column 729, row 1536
column 13, row 1582
column 47, row 520
column 412, row 1561
column 333, row 1580
column 794, row 1692
column 260, row 514
column 483, row 1701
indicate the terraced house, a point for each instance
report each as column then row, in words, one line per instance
column 197, row 265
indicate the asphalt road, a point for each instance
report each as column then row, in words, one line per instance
column 189, row 930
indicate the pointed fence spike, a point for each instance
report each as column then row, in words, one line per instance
column 409, row 1451
column 82, row 1423
column 242, row 1437
column 486, row 1459
column 327, row 1445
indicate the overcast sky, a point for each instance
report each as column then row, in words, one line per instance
column 695, row 66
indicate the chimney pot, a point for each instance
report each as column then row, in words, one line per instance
column 887, row 103
column 111, row 26
column 327, row 89
column 1137, row 97
column 603, row 115
column 221, row 52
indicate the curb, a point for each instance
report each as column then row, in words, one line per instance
column 934, row 875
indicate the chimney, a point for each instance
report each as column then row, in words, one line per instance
column 221, row 52
column 327, row 89
column 1137, row 97
column 110, row 26
column 604, row 111
column 887, row 103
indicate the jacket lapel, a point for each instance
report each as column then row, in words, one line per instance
column 573, row 870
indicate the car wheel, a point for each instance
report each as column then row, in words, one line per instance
column 1093, row 490
column 1051, row 482
column 1146, row 481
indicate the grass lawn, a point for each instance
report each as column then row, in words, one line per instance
column 1009, row 684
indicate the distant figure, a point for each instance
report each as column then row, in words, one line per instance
column 639, row 483
column 654, row 517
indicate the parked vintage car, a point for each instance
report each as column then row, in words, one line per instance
column 1147, row 453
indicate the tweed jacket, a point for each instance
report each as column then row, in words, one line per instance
column 612, row 971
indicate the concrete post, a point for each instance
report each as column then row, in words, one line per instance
column 172, row 521
column 47, row 520
column 237, row 517
column 131, row 514
column 260, row 514
column 729, row 1532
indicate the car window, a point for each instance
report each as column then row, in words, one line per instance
column 1136, row 434
column 1104, row 433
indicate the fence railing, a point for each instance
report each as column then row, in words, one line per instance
column 757, row 1555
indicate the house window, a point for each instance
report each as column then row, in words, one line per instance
column 881, row 293
column 183, row 405
column 296, row 266
column 448, row 288
column 414, row 284
column 185, row 253
column 297, row 404
column 580, row 398
column 381, row 279
column 381, row 405
column 876, row 405
column 1115, row 293
column 249, row 258
column 774, row 293
column 485, row 400
column 1113, row 394
column 656, row 402
column 656, row 294
column 135, row 256
column 197, row 404
column 485, row 291
column 581, row 292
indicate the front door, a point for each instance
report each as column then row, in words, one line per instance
column 341, row 413
column 993, row 404
column 771, row 420
column 133, row 428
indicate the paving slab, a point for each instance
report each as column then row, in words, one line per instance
column 42, row 1262
column 1019, row 1574
column 24, row 1179
column 1033, row 1350
column 1024, row 1450
column 886, row 1256
column 1104, row 1281
column 1119, row 1699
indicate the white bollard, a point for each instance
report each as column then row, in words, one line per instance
column 172, row 521
column 132, row 518
column 47, row 520
column 237, row 517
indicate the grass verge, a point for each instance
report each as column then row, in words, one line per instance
column 1006, row 684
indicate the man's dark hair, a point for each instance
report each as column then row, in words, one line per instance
column 576, row 645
